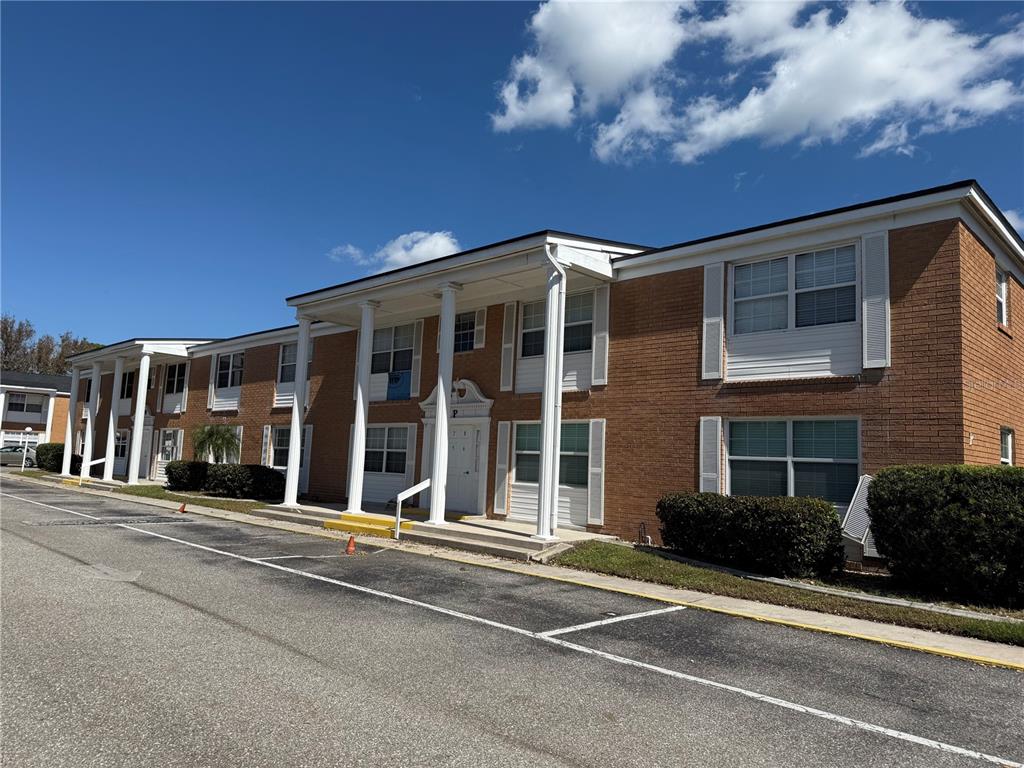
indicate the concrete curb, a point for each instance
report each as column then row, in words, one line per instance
column 950, row 646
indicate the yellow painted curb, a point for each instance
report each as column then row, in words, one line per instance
column 984, row 660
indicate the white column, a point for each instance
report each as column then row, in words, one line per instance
column 49, row 416
column 291, row 481
column 141, row 387
column 445, row 358
column 3, row 407
column 115, row 396
column 90, row 419
column 550, row 412
column 556, row 458
column 72, row 419
column 358, row 457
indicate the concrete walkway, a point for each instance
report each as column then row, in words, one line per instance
column 980, row 651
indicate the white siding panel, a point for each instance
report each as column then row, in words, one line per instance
column 173, row 403
column 824, row 350
column 226, row 399
column 572, row 504
column 577, row 370
column 381, row 487
column 378, row 387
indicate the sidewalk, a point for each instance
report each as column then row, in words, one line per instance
column 979, row 651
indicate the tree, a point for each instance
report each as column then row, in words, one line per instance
column 21, row 351
column 216, row 440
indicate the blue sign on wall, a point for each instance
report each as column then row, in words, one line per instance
column 399, row 385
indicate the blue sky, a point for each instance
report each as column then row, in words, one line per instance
column 178, row 169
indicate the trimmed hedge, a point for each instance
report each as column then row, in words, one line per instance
column 773, row 535
column 186, row 475
column 955, row 531
column 245, row 481
column 50, row 456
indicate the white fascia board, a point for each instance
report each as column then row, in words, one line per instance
column 597, row 264
column 279, row 336
column 31, row 390
column 797, row 234
column 134, row 348
column 994, row 227
column 594, row 245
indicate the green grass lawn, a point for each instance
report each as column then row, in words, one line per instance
column 33, row 473
column 214, row 502
column 625, row 561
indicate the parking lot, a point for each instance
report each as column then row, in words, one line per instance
column 137, row 637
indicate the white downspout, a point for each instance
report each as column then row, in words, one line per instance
column 555, row 459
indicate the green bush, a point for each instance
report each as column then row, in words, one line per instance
column 245, row 481
column 954, row 531
column 773, row 535
column 50, row 456
column 186, row 475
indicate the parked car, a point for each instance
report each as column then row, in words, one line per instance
column 10, row 455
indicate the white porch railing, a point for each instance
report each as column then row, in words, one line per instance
column 407, row 493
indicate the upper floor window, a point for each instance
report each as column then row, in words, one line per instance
column 392, row 349
column 175, row 381
column 465, row 331
column 287, row 365
column 19, row 402
column 820, row 285
column 579, row 325
column 229, row 370
column 802, row 457
column 386, row 449
column 1002, row 298
column 1006, row 446
column 127, row 385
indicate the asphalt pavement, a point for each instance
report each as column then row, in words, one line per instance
column 134, row 637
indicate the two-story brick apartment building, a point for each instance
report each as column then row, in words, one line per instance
column 32, row 406
column 788, row 358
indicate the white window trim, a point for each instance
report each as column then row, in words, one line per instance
column 514, row 453
column 121, row 439
column 521, row 314
column 391, row 350
column 409, row 437
column 472, row 340
column 167, row 377
column 25, row 398
column 792, row 290
column 1002, row 297
column 1007, row 460
column 789, row 458
column 231, row 367
column 274, row 429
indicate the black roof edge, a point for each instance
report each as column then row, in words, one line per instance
column 818, row 215
column 134, row 340
column 261, row 333
column 539, row 233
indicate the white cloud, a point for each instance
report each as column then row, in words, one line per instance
column 881, row 74
column 410, row 248
column 1016, row 218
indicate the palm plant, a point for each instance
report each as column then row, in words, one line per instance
column 218, row 441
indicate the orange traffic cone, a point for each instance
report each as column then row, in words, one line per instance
column 182, row 509
column 350, row 549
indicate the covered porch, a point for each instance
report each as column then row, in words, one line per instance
column 131, row 365
column 455, row 415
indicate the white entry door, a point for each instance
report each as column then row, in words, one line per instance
column 170, row 450
column 146, row 451
column 463, row 470
column 121, row 452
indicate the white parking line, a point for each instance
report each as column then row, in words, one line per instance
column 611, row 620
column 543, row 637
column 296, row 557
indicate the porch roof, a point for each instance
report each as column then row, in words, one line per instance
column 160, row 349
column 490, row 274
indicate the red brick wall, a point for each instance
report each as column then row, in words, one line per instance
column 993, row 355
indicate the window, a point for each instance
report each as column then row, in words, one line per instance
column 465, row 331
column 287, row 366
column 802, row 457
column 127, row 385
column 823, row 291
column 1002, row 298
column 1006, row 445
column 573, row 459
column 229, row 370
column 579, row 325
column 392, row 349
column 170, row 444
column 386, row 449
column 175, row 382
column 20, row 402
column 121, row 444
column 280, row 444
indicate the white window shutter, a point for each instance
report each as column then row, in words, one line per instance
column 710, row 454
column 875, row 299
column 599, row 372
column 179, row 440
column 508, row 347
column 410, row 456
column 501, row 468
column 714, row 324
column 265, row 457
column 213, row 380
column 480, row 328
column 161, row 380
column 307, row 451
column 426, row 462
column 417, row 360
column 241, row 431
column 184, row 392
column 595, row 478
column 355, row 369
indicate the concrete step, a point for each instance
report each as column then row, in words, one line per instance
column 290, row 516
column 483, row 536
column 468, row 545
column 363, row 528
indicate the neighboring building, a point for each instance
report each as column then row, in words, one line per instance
column 32, row 406
column 790, row 358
